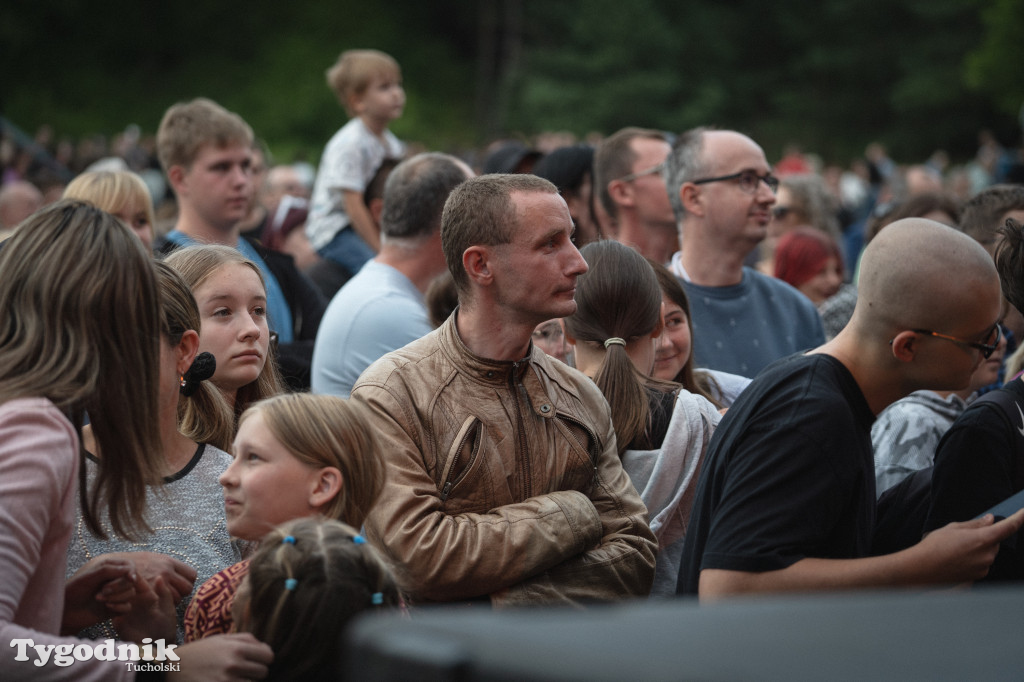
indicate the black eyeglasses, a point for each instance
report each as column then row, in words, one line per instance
column 748, row 181
column 987, row 349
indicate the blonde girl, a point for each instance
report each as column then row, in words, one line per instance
column 232, row 300
column 296, row 456
column 123, row 194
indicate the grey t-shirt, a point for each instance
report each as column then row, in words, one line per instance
column 187, row 518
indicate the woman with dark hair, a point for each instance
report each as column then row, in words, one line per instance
column 662, row 431
column 673, row 360
column 196, row 428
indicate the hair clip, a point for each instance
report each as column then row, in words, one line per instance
column 290, row 583
column 377, row 598
column 288, row 540
column 202, row 369
column 359, row 539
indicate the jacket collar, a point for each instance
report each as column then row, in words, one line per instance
column 480, row 368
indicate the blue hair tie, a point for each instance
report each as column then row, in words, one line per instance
column 290, row 583
column 377, row 598
column 288, row 539
column 359, row 539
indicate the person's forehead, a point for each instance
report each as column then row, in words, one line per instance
column 730, row 152
column 649, row 152
column 236, row 152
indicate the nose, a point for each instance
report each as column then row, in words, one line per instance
column 662, row 343
column 577, row 264
column 249, row 329
column 765, row 195
column 228, row 479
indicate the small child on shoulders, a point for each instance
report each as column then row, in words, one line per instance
column 369, row 85
column 308, row 580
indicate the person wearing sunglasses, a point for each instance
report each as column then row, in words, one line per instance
column 722, row 190
column 786, row 499
column 907, row 432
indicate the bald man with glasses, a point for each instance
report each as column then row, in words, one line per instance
column 786, row 497
column 722, row 190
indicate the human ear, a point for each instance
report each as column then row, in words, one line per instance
column 326, row 486
column 904, row 346
column 186, row 350
column 476, row 261
column 376, row 209
column 176, row 174
column 691, row 198
column 621, row 192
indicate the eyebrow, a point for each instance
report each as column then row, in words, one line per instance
column 221, row 297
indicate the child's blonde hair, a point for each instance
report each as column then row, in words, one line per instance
column 327, row 431
column 195, row 264
column 352, row 73
column 307, row 580
column 111, row 191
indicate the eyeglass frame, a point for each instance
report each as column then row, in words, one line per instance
column 630, row 177
column 986, row 349
column 767, row 178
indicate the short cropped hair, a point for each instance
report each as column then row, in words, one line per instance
column 614, row 158
column 415, row 193
column 981, row 214
column 480, row 212
column 685, row 163
column 188, row 126
column 352, row 73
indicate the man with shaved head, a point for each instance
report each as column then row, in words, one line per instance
column 786, row 499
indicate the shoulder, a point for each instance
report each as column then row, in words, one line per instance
column 421, row 360
column 28, row 425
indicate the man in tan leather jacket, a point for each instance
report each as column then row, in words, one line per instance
column 503, row 479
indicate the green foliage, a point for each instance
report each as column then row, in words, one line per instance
column 994, row 67
column 831, row 74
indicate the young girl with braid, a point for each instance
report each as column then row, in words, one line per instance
column 308, row 580
column 295, row 455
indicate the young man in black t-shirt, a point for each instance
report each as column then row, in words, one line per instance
column 786, row 497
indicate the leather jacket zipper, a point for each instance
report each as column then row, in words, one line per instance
column 593, row 450
column 450, row 483
column 522, row 455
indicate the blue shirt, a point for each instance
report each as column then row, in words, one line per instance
column 279, row 313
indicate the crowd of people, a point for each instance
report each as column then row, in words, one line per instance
column 241, row 404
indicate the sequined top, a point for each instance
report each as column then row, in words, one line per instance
column 188, row 522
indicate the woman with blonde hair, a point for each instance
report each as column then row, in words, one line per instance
column 123, row 194
column 77, row 338
column 232, row 299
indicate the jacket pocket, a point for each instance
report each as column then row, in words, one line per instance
column 462, row 455
column 583, row 452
